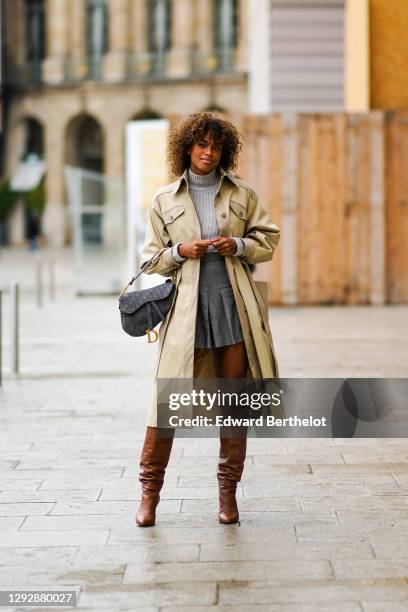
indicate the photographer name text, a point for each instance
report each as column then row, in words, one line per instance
column 260, row 421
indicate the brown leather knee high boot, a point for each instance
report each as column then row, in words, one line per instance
column 155, row 457
column 230, row 468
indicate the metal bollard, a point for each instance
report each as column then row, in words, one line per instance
column 39, row 279
column 51, row 271
column 15, row 327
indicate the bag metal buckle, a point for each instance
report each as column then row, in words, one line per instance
column 155, row 335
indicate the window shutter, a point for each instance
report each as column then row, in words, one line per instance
column 306, row 55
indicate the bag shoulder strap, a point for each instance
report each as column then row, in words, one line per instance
column 143, row 267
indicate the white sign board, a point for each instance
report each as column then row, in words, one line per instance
column 146, row 171
column 27, row 175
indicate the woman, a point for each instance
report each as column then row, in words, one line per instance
column 209, row 226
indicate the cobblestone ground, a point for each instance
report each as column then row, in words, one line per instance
column 324, row 522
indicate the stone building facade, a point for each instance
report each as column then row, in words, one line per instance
column 77, row 71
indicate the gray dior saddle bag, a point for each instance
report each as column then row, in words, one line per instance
column 141, row 311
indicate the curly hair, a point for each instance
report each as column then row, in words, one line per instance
column 195, row 127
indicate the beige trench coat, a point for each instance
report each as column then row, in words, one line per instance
column 173, row 218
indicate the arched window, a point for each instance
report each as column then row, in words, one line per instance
column 90, row 146
column 96, row 35
column 146, row 113
column 85, row 149
column 34, row 146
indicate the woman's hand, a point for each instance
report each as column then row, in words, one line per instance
column 195, row 249
column 225, row 246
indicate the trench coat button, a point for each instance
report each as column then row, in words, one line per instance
column 171, row 218
column 241, row 214
column 224, row 215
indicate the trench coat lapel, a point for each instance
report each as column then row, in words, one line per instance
column 181, row 196
column 221, row 203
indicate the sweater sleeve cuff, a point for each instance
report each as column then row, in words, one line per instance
column 240, row 247
column 175, row 253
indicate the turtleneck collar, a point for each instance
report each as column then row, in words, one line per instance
column 203, row 181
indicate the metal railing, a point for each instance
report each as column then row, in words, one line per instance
column 23, row 75
column 138, row 67
column 142, row 66
column 13, row 290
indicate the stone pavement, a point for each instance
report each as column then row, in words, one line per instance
column 324, row 523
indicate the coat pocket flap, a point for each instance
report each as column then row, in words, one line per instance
column 132, row 301
column 239, row 210
column 170, row 215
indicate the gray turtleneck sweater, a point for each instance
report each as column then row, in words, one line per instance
column 203, row 189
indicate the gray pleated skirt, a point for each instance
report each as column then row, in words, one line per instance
column 217, row 322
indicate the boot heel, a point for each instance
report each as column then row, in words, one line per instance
column 146, row 516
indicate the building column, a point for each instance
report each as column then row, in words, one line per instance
column 115, row 60
column 205, row 60
column 138, row 26
column 357, row 56
column 15, row 148
column 241, row 59
column 77, row 60
column 57, row 30
column 114, row 152
column 259, row 71
column 139, row 61
column 182, row 38
column 54, row 221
